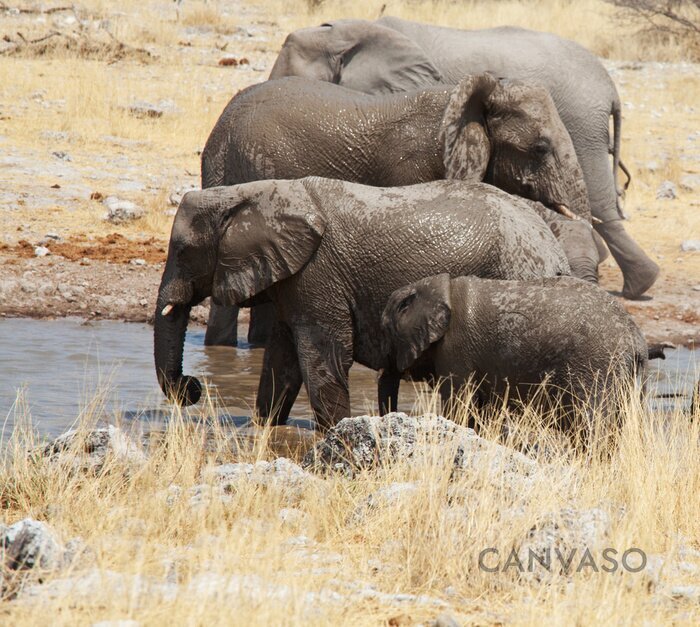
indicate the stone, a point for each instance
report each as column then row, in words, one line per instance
column 281, row 474
column 690, row 182
column 31, row 544
column 390, row 495
column 138, row 262
column 690, row 245
column 445, row 620
column 120, row 211
column 667, row 191
column 567, row 532
column 90, row 450
column 41, row 251
column 144, row 109
column 368, row 442
column 63, row 156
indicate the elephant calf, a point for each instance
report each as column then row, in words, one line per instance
column 509, row 337
column 328, row 254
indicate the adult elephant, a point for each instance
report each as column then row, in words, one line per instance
column 328, row 254
column 391, row 55
column 504, row 132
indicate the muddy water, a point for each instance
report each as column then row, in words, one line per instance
column 59, row 366
column 56, row 367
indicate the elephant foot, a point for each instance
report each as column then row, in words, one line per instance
column 638, row 269
column 640, row 280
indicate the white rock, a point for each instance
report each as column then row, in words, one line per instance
column 690, row 182
column 690, row 245
column 30, row 544
column 667, row 191
column 120, row 211
column 90, row 450
column 41, row 251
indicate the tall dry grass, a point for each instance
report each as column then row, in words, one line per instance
column 310, row 565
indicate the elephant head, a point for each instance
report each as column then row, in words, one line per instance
column 509, row 134
column 357, row 54
column 231, row 243
column 415, row 317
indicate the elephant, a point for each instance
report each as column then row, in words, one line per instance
column 396, row 55
column 504, row 132
column 328, row 254
column 510, row 337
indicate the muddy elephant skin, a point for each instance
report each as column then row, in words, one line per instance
column 328, row 254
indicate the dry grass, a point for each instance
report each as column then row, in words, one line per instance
column 427, row 545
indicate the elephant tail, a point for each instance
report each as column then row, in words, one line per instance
column 616, row 113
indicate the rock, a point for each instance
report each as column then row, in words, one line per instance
column 368, row 442
column 445, row 620
column 41, row 251
column 690, row 182
column 690, row 245
column 54, row 236
column 138, row 262
column 90, row 450
column 30, row 544
column 386, row 496
column 143, row 109
column 667, row 191
column 686, row 593
column 569, row 532
column 176, row 195
column 120, row 211
column 281, row 474
column 292, row 517
column 63, row 156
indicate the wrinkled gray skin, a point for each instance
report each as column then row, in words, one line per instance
column 328, row 254
column 505, row 132
column 394, row 55
column 509, row 336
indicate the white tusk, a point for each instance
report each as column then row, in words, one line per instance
column 167, row 309
column 596, row 220
column 565, row 211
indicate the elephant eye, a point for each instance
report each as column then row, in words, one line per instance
column 541, row 147
column 405, row 303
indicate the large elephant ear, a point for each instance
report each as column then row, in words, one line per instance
column 417, row 316
column 265, row 239
column 466, row 149
column 377, row 59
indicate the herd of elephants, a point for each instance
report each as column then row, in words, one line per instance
column 432, row 203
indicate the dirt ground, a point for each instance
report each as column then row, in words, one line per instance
column 128, row 117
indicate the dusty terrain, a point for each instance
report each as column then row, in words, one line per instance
column 127, row 115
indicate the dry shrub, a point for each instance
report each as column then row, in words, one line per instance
column 287, row 566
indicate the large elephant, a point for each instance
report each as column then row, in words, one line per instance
column 503, row 132
column 394, row 55
column 510, row 337
column 328, row 254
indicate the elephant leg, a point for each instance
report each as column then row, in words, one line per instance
column 325, row 366
column 281, row 378
column 262, row 319
column 222, row 326
column 388, row 390
column 639, row 271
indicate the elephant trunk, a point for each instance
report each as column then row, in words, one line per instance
column 169, row 342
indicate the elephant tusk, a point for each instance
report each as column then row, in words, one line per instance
column 166, row 310
column 565, row 211
column 596, row 220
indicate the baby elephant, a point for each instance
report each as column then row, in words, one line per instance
column 510, row 336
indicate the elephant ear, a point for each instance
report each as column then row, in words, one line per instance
column 466, row 149
column 377, row 59
column 416, row 317
column 264, row 242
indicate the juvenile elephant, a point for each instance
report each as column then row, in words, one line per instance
column 328, row 254
column 503, row 132
column 509, row 337
column 395, row 55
